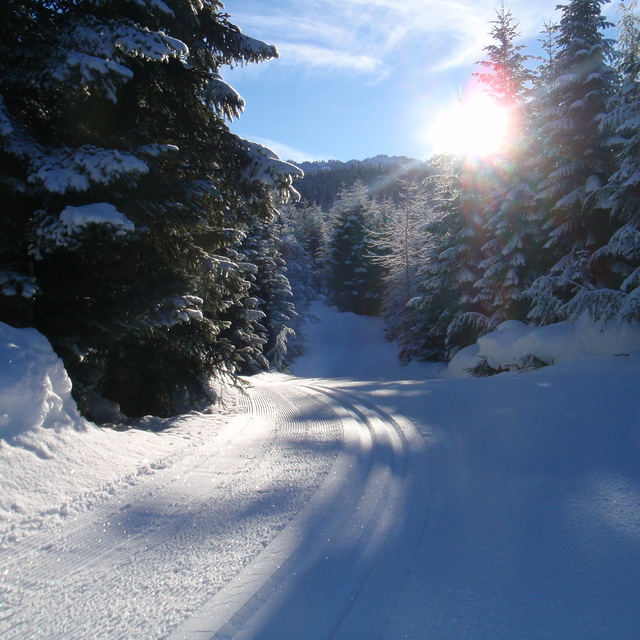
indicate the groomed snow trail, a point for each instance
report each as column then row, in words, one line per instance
column 298, row 519
column 335, row 571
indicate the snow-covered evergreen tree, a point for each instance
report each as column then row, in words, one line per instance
column 510, row 248
column 400, row 245
column 618, row 261
column 306, row 224
column 576, row 158
column 127, row 188
column 439, row 299
column 350, row 276
column 272, row 293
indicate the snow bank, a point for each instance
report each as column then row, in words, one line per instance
column 53, row 462
column 35, row 390
column 513, row 344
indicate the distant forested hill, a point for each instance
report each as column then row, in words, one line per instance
column 324, row 179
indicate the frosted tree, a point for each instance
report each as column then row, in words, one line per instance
column 350, row 275
column 128, row 190
column 270, row 295
column 306, row 223
column 508, row 255
column 622, row 193
column 400, row 245
column 439, row 299
column 618, row 261
column 576, row 158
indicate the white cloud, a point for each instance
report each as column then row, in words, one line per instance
column 322, row 57
column 367, row 36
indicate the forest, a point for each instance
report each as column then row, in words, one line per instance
column 161, row 254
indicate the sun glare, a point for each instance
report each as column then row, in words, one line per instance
column 477, row 127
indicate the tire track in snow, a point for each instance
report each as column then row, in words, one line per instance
column 140, row 564
column 336, row 569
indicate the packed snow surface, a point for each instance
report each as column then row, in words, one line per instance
column 520, row 497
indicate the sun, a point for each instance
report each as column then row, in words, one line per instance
column 477, row 126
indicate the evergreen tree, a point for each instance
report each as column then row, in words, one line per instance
column 439, row 300
column 504, row 73
column 305, row 223
column 619, row 259
column 509, row 249
column 576, row 158
column 351, row 278
column 271, row 291
column 399, row 244
column 127, row 189
column 302, row 236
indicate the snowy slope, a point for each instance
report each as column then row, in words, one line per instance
column 526, row 523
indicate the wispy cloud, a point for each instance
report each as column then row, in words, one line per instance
column 368, row 36
column 315, row 56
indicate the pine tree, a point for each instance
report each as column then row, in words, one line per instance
column 576, row 158
column 128, row 191
column 350, row 275
column 509, row 249
column 439, row 299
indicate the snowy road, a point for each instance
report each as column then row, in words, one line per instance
column 297, row 511
column 290, row 521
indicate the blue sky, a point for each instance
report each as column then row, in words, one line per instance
column 357, row 78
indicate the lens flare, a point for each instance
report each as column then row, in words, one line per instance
column 477, row 126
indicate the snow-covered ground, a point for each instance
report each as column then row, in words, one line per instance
column 515, row 515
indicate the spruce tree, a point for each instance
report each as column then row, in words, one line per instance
column 619, row 259
column 128, row 190
column 350, row 275
column 508, row 254
column 439, row 299
column 272, row 292
column 576, row 159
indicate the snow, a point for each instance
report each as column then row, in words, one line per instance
column 35, row 391
column 225, row 99
column 346, row 345
column 97, row 213
column 513, row 342
column 80, row 169
column 98, row 52
column 63, row 231
column 6, row 128
column 267, row 168
column 528, row 525
column 13, row 284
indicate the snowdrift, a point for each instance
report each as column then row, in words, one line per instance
column 35, row 390
column 53, row 462
column 515, row 345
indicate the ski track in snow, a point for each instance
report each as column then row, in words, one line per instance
column 279, row 526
